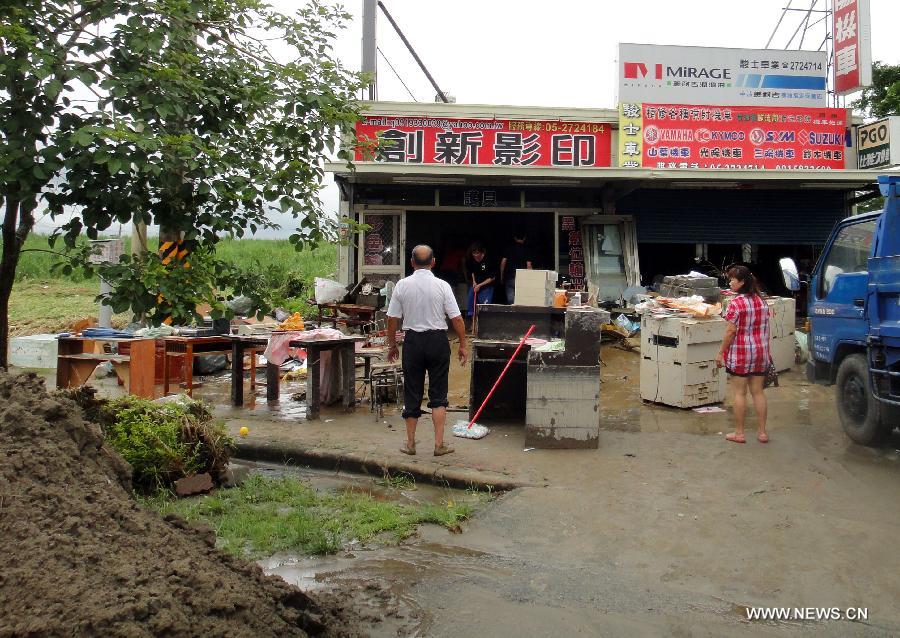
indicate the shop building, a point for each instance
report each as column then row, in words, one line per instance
column 449, row 175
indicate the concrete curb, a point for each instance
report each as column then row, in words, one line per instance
column 339, row 460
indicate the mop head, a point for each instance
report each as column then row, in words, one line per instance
column 461, row 429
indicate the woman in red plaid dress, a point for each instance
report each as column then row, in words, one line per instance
column 745, row 351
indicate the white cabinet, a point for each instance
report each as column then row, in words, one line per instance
column 678, row 361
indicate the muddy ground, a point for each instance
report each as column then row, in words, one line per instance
column 666, row 529
column 79, row 557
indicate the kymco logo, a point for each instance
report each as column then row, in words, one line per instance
column 638, row 70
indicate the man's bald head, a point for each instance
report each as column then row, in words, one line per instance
column 422, row 256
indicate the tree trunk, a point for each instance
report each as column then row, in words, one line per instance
column 8, row 262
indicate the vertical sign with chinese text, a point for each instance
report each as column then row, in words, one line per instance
column 852, row 34
column 571, row 252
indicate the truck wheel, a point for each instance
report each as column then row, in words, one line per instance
column 859, row 410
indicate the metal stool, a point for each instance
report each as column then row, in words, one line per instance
column 383, row 377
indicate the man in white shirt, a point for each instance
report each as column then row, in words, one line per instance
column 424, row 303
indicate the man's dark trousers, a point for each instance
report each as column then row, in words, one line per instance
column 423, row 352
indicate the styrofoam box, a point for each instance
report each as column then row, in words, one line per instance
column 682, row 385
column 34, row 351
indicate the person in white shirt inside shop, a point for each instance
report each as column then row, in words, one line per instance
column 424, row 303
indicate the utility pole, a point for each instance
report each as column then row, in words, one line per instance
column 370, row 44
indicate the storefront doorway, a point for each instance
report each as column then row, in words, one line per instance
column 451, row 233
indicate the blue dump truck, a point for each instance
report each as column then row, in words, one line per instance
column 854, row 314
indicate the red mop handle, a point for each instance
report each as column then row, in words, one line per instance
column 500, row 378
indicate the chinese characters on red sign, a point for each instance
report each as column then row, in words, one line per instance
column 428, row 140
column 571, row 252
column 731, row 137
column 846, row 45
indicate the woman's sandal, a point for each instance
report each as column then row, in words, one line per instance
column 762, row 437
column 734, row 437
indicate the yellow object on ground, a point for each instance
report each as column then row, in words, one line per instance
column 244, row 431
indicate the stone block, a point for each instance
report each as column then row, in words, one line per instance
column 195, row 484
column 33, row 351
column 234, row 475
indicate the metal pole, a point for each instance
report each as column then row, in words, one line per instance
column 370, row 44
column 104, row 318
column 414, row 54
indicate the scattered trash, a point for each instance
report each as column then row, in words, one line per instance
column 707, row 409
column 554, row 345
column 528, row 449
column 630, row 455
column 329, row 291
column 630, row 327
column 328, row 420
column 462, row 430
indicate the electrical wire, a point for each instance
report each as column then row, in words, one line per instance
column 397, row 74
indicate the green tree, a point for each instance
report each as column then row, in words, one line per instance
column 883, row 97
column 201, row 116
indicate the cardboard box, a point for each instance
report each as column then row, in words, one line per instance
column 535, row 287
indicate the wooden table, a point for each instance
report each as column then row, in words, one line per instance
column 358, row 315
column 188, row 347
column 344, row 347
column 133, row 362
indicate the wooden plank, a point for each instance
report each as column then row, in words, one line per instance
column 117, row 358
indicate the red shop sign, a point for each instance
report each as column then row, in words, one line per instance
column 474, row 142
column 737, row 137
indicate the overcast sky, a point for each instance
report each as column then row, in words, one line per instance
column 563, row 53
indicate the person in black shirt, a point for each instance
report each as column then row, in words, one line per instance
column 517, row 256
column 480, row 271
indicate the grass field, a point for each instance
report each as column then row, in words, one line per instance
column 44, row 300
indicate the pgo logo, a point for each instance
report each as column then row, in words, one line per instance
column 638, row 70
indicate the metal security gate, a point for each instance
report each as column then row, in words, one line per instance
column 689, row 216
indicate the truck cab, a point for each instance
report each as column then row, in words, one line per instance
column 854, row 314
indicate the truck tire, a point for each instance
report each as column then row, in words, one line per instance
column 859, row 410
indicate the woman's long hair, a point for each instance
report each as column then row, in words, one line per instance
column 749, row 286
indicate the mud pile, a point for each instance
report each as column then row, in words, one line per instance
column 78, row 556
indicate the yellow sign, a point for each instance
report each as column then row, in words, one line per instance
column 631, row 135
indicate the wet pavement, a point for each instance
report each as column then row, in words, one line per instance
column 666, row 529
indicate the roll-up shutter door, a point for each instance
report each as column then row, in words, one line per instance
column 733, row 216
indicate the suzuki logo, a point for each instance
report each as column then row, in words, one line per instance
column 638, row 70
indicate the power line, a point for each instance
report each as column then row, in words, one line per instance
column 397, row 74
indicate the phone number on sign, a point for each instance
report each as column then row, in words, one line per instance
column 558, row 127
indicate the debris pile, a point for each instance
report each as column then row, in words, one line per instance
column 79, row 556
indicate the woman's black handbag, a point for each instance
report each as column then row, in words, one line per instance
column 771, row 375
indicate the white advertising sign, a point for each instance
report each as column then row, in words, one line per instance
column 735, row 77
